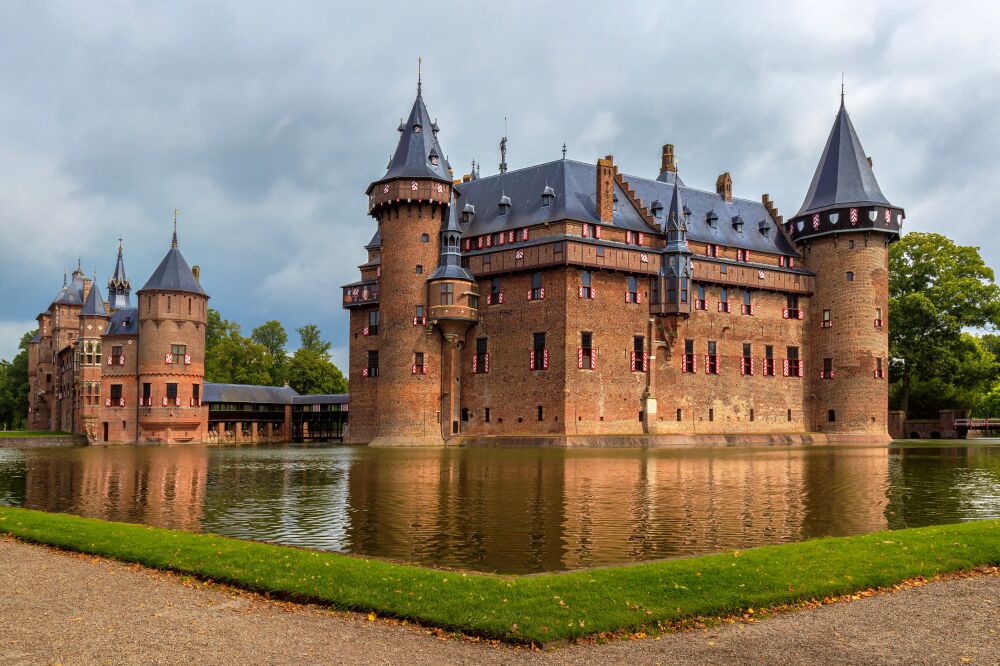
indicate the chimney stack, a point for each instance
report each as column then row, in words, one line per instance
column 606, row 189
column 668, row 162
column 196, row 272
column 724, row 186
column 869, row 162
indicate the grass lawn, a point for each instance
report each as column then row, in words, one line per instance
column 537, row 608
column 31, row 433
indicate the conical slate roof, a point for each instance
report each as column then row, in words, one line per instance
column 94, row 305
column 450, row 262
column 418, row 148
column 843, row 176
column 73, row 294
column 119, row 285
column 173, row 274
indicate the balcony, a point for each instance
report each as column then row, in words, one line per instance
column 362, row 293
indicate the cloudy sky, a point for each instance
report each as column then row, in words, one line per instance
column 264, row 123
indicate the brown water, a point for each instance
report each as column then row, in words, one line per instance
column 513, row 510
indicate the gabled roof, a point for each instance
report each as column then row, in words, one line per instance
column 73, row 294
column 843, row 176
column 173, row 274
column 94, row 306
column 417, row 145
column 575, row 185
column 261, row 395
column 123, row 322
column 326, row 399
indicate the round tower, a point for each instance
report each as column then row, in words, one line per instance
column 173, row 310
column 396, row 373
column 844, row 230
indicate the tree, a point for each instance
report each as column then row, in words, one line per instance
column 936, row 289
column 14, row 387
column 273, row 337
column 310, row 370
column 239, row 360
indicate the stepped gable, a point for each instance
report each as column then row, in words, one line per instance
column 843, row 176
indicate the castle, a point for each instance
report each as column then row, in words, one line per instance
column 572, row 303
column 118, row 372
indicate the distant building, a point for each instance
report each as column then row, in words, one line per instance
column 571, row 300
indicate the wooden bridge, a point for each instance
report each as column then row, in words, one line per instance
column 963, row 426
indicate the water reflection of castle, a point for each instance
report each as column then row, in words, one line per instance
column 505, row 510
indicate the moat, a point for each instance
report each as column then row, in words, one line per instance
column 514, row 510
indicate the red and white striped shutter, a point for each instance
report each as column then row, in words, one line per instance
column 784, row 370
column 164, row 401
column 489, row 240
column 593, row 292
column 743, row 365
column 529, row 293
column 531, row 360
column 716, row 253
column 597, row 231
column 501, row 297
column 751, row 308
column 364, row 331
column 510, row 236
column 579, row 357
column 177, row 401
column 364, row 372
column 187, row 359
column 718, row 363
column 107, row 402
column 627, row 296
column 489, row 299
column 168, row 359
column 645, row 361
column 784, row 313
column 545, row 359
column 694, row 363
column 746, row 255
column 751, row 365
column 706, row 364
column 791, row 262
column 580, row 291
column 524, row 234
column 802, row 314
column 487, row 363
column 801, row 367
column 424, row 370
column 121, row 402
column 502, row 237
column 631, row 360
column 586, row 232
column 479, row 242
column 684, row 363
column 593, row 358
column 468, row 243
column 110, row 359
column 475, row 363
column 414, row 370
column 640, row 238
column 542, row 292
column 638, row 295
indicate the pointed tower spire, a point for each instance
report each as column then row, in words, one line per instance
column 173, row 242
column 119, row 287
column 420, row 62
column 450, row 262
column 94, row 305
column 65, row 283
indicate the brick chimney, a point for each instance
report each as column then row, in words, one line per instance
column 668, row 162
column 606, row 188
column 724, row 187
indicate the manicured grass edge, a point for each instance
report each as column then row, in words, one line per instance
column 539, row 608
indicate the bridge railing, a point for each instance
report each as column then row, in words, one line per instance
column 977, row 424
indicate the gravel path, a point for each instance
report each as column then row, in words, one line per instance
column 72, row 609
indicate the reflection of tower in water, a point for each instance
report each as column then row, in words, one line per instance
column 156, row 486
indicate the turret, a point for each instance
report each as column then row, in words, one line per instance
column 90, row 357
column 119, row 287
column 844, row 229
column 396, row 368
column 173, row 310
column 674, row 281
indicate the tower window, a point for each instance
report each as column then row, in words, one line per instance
column 537, row 290
column 447, row 294
column 850, row 276
column 419, row 269
column 587, row 350
column 424, row 238
column 712, row 358
column 418, row 363
column 172, row 392
column 654, row 290
column 827, row 368
column 481, row 362
column 831, row 415
column 632, row 293
column 585, row 284
column 827, row 321
column 372, row 369
column 723, row 300
column 600, row 250
column 538, row 353
column 373, row 320
column 689, row 362
column 179, row 352
column 768, row 361
column 541, row 413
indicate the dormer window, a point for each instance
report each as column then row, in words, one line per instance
column 433, row 157
column 417, row 129
column 504, row 204
column 548, row 196
column 738, row 224
column 712, row 219
column 657, row 209
column 765, row 228
column 614, row 202
column 468, row 212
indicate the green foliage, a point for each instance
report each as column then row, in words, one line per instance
column 310, row 370
column 14, row 387
column 536, row 608
column 262, row 358
column 937, row 289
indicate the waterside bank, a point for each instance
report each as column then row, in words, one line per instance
column 534, row 609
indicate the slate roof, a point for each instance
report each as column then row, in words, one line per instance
column 376, row 240
column 123, row 322
column 173, row 274
column 450, row 261
column 261, row 395
column 73, row 294
column 37, row 337
column 575, row 185
column 843, row 176
column 417, row 144
column 94, row 306
column 328, row 399
column 119, row 285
